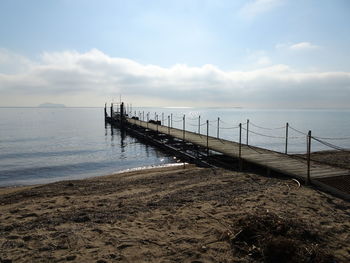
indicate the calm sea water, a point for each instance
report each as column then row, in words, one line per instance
column 39, row 145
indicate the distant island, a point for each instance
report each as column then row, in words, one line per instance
column 51, row 105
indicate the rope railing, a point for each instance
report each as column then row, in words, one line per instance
column 330, row 145
column 331, row 138
column 265, row 128
column 297, row 130
column 264, row 135
column 177, row 116
column 223, row 122
column 193, row 119
column 193, row 125
column 272, row 136
column 190, row 121
column 229, row 128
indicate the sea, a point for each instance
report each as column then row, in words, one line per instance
column 42, row 145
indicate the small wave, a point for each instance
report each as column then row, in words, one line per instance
column 150, row 167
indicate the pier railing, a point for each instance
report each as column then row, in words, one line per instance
column 249, row 130
column 244, row 133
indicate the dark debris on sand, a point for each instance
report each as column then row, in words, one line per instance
column 270, row 238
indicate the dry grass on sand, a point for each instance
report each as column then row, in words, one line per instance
column 173, row 215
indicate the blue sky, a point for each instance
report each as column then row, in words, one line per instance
column 217, row 49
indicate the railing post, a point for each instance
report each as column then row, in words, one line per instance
column 247, row 131
column 308, row 179
column 168, row 124
column 171, row 120
column 183, row 128
column 155, row 115
column 147, row 119
column 199, row 124
column 143, row 115
column 240, row 147
column 157, row 121
column 111, row 110
column 207, row 138
column 217, row 135
column 162, row 118
column 286, row 148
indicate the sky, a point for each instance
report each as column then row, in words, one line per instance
column 242, row 53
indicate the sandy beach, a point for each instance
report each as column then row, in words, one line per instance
column 174, row 214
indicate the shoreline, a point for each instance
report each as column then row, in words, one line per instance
column 66, row 178
column 331, row 157
column 173, row 214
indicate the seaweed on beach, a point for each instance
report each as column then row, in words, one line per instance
column 270, row 238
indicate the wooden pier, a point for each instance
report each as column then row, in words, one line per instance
column 244, row 155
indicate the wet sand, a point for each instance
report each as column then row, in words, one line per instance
column 173, row 214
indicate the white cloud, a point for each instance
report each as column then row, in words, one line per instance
column 94, row 77
column 11, row 62
column 257, row 7
column 301, row 46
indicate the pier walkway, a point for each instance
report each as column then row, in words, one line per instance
column 273, row 161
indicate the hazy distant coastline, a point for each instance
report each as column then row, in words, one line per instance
column 51, row 105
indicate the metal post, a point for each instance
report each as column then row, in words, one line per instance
column 122, row 110
column 183, row 128
column 111, row 110
column 130, row 108
column 157, row 121
column 286, row 149
column 240, row 146
column 308, row 179
column 155, row 115
column 168, row 124
column 143, row 115
column 171, row 120
column 147, row 119
column 162, row 118
column 217, row 135
column 207, row 138
column 247, row 131
column 105, row 111
column 199, row 124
